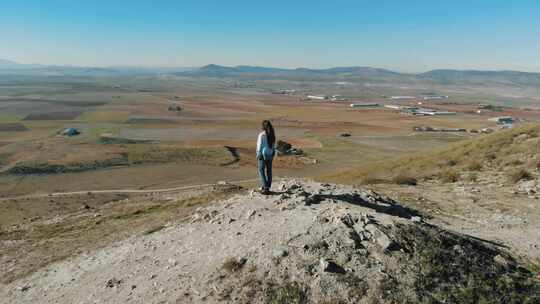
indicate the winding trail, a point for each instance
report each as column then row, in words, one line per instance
column 127, row 191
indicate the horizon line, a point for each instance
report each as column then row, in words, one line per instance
column 264, row 66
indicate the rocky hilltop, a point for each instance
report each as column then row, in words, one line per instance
column 307, row 243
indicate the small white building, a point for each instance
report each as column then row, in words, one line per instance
column 337, row 98
column 435, row 97
column 393, row 107
column 317, row 97
column 432, row 112
column 402, row 97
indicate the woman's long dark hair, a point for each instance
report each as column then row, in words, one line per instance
column 269, row 130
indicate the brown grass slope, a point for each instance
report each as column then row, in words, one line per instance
column 515, row 151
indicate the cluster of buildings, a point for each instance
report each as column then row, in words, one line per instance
column 418, row 111
column 402, row 97
column 284, row 92
column 432, row 129
column 435, row 97
column 326, row 97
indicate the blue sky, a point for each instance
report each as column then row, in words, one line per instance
column 408, row 36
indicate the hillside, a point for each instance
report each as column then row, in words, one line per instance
column 308, row 243
column 514, row 152
column 488, row 187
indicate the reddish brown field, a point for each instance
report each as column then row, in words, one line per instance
column 12, row 127
column 69, row 115
column 212, row 120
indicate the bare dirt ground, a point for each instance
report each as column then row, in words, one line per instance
column 499, row 212
column 210, row 118
column 307, row 243
column 37, row 231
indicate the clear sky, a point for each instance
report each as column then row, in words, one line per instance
column 408, row 35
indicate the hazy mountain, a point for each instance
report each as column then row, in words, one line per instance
column 442, row 76
column 352, row 71
column 482, row 77
column 213, row 70
column 8, row 64
column 219, row 70
column 8, row 67
column 439, row 76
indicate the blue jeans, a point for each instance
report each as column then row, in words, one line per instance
column 265, row 172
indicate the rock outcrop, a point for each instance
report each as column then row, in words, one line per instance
column 306, row 243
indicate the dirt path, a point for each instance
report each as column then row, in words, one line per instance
column 130, row 191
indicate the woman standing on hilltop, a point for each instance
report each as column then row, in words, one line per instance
column 265, row 154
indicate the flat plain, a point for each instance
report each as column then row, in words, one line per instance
column 152, row 133
column 127, row 129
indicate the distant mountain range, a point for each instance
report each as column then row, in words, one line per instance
column 245, row 70
column 8, row 67
column 474, row 76
column 441, row 76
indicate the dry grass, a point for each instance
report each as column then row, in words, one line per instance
column 12, row 127
column 144, row 153
column 519, row 175
column 77, row 230
column 474, row 166
column 288, row 293
column 232, row 264
column 370, row 180
column 472, row 177
column 61, row 156
column 483, row 152
column 402, row 179
column 449, row 176
column 105, row 116
column 67, row 115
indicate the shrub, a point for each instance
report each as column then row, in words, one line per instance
column 451, row 163
column 515, row 162
column 402, row 179
column 473, row 177
column 289, row 293
column 233, row 265
column 371, row 179
column 491, row 156
column 283, row 146
column 449, row 176
column 474, row 166
column 520, row 174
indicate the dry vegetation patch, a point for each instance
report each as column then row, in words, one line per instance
column 402, row 179
column 105, row 116
column 449, row 176
column 71, row 225
column 67, row 115
column 12, row 127
column 59, row 155
column 519, row 175
column 482, row 153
